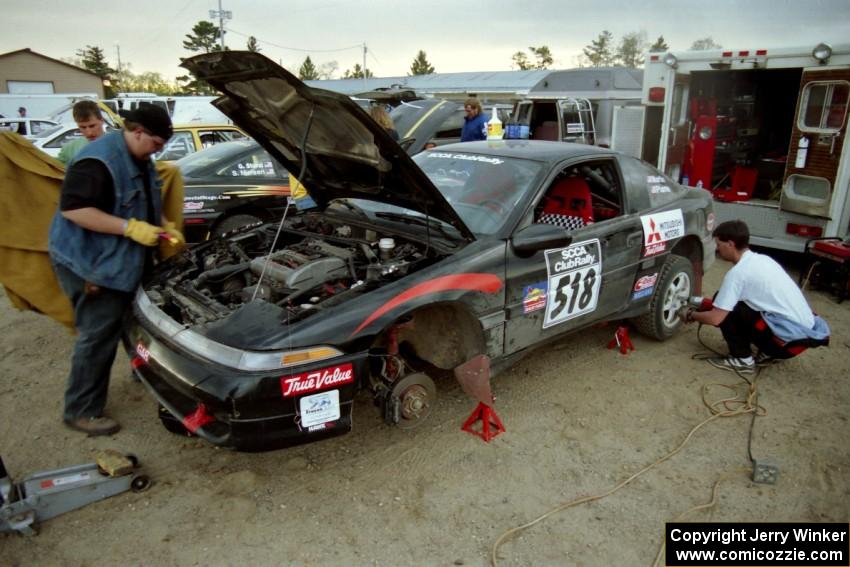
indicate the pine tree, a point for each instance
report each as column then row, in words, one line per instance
column 420, row 65
column 308, row 71
column 93, row 59
column 252, row 44
column 598, row 53
column 356, row 73
column 630, row 51
column 204, row 37
column 659, row 45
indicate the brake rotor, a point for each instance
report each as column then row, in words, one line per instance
column 416, row 394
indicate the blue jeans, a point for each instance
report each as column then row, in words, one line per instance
column 98, row 315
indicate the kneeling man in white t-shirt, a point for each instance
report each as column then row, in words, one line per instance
column 758, row 304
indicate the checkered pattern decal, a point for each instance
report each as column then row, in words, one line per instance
column 564, row 221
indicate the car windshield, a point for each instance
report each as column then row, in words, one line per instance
column 483, row 189
column 194, row 164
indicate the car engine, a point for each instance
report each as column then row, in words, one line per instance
column 315, row 264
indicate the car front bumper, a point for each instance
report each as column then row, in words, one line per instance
column 249, row 411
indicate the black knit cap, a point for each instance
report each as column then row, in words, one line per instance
column 152, row 118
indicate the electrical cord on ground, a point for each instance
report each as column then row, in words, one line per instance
column 727, row 407
column 706, row 506
column 759, row 411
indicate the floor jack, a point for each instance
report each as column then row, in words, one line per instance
column 44, row 495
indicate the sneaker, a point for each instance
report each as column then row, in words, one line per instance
column 764, row 359
column 733, row 364
column 94, row 426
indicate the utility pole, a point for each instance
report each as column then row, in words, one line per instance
column 221, row 15
column 118, row 50
column 365, row 88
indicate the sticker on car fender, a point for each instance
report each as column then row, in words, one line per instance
column 319, row 408
column 534, row 297
column 659, row 228
column 645, row 282
column 574, row 278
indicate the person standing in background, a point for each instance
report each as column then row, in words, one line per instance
column 474, row 123
column 380, row 115
column 90, row 122
column 22, row 126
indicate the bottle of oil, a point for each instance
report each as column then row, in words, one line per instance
column 494, row 127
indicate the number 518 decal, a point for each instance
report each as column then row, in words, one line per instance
column 575, row 275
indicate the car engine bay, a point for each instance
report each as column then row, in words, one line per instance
column 317, row 262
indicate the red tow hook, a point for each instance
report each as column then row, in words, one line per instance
column 197, row 419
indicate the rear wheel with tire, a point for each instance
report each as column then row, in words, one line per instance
column 675, row 285
column 233, row 222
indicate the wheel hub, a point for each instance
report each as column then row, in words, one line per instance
column 416, row 395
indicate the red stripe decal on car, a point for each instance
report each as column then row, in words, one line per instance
column 486, row 283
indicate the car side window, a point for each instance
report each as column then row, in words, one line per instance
column 63, row 139
column 179, row 145
column 581, row 195
column 451, row 126
column 234, row 135
column 38, row 125
column 661, row 189
column 255, row 164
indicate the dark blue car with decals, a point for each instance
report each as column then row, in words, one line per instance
column 408, row 268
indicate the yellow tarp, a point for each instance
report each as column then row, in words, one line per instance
column 30, row 184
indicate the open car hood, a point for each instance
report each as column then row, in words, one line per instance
column 347, row 154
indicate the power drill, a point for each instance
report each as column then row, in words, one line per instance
column 700, row 303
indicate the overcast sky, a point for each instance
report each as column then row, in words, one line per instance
column 457, row 35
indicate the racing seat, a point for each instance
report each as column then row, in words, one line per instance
column 568, row 204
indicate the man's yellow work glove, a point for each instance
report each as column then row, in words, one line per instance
column 142, row 232
column 174, row 235
column 173, row 244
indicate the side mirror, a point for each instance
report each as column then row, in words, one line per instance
column 406, row 143
column 536, row 237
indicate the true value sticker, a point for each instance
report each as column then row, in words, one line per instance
column 574, row 276
column 315, row 380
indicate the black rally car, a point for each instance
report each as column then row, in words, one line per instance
column 408, row 266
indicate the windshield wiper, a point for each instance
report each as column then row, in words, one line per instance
column 422, row 221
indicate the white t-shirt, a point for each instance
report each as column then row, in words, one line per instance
column 761, row 283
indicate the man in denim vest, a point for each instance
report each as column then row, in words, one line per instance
column 102, row 240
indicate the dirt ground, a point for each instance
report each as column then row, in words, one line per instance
column 579, row 418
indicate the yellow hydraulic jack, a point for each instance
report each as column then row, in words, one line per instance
column 44, row 495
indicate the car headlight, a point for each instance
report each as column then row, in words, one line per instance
column 705, row 133
column 247, row 360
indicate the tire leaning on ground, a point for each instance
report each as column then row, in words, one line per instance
column 675, row 284
column 234, row 222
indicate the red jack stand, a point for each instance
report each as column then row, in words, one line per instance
column 621, row 339
column 488, row 418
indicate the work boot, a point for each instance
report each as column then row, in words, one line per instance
column 732, row 364
column 94, row 426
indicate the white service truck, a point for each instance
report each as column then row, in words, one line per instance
column 763, row 129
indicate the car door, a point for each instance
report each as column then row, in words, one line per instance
column 557, row 290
